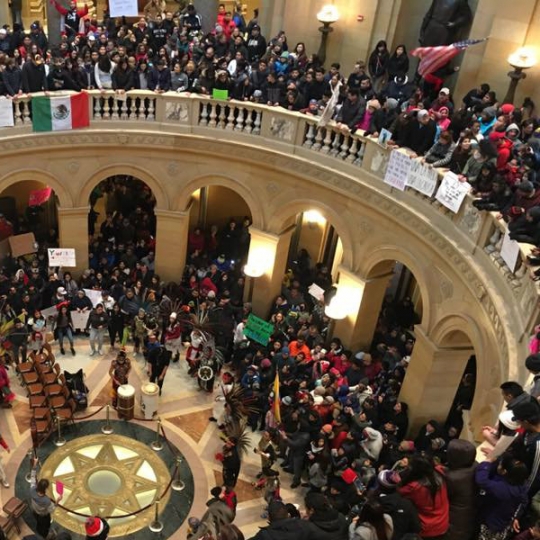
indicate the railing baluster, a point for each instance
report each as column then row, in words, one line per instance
column 230, row 118
column 213, row 115
column 240, row 117
column 203, row 117
column 310, row 134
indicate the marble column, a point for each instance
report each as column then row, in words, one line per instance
column 271, row 13
column 432, row 379
column 365, row 297
column 207, row 9
column 171, row 243
column 268, row 252
column 73, row 232
column 5, row 13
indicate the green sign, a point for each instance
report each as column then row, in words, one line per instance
column 258, row 330
column 220, row 94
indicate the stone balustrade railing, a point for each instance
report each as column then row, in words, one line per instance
column 294, row 133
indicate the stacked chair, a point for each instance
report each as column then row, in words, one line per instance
column 48, row 394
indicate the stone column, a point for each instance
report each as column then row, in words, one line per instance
column 269, row 252
column 271, row 13
column 207, row 9
column 432, row 379
column 365, row 297
column 73, row 232
column 171, row 243
column 5, row 13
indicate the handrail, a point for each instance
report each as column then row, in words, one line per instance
column 301, row 135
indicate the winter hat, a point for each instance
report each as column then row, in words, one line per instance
column 422, row 114
column 392, row 104
column 507, row 108
column 512, row 127
column 532, row 363
column 287, row 400
column 172, row 315
column 374, row 104
column 329, row 400
column 445, row 91
column 529, row 410
column 318, row 400
column 490, row 112
column 93, row 526
column 61, row 291
column 285, row 350
column 319, row 391
column 525, row 186
column 219, row 29
column 506, row 418
column 266, row 363
column 388, row 479
column 327, row 428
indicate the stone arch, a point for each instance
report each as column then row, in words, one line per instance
column 162, row 199
column 182, row 199
column 377, row 262
column 64, row 196
column 283, row 213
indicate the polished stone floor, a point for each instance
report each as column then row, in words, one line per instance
column 184, row 411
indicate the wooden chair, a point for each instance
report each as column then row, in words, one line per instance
column 30, row 377
column 57, row 402
column 41, row 360
column 14, row 509
column 24, row 367
column 7, row 524
column 65, row 414
column 44, row 427
column 38, row 400
column 35, row 389
column 52, row 390
column 50, row 377
column 40, row 413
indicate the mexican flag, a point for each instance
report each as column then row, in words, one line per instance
column 62, row 112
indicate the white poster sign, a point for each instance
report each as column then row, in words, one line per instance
column 6, row 112
column 451, row 192
column 422, row 178
column 79, row 319
column 397, row 170
column 316, row 291
column 61, row 257
column 510, row 252
column 120, row 8
column 94, row 295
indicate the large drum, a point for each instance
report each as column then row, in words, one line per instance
column 126, row 402
column 149, row 399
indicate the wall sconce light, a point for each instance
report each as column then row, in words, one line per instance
column 524, row 58
column 346, row 301
column 314, row 217
column 336, row 309
column 327, row 16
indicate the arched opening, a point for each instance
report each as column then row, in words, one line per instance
column 402, row 304
column 121, row 223
column 219, row 221
column 315, row 251
column 30, row 206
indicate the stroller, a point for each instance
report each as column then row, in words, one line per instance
column 79, row 390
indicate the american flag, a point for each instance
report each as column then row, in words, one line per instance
column 433, row 58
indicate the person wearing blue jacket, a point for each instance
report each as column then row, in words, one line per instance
column 502, row 492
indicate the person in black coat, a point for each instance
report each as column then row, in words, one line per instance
column 329, row 521
column 526, row 228
column 231, row 462
column 33, row 75
column 398, row 64
column 352, row 111
column 402, row 511
column 283, row 527
column 419, row 135
column 123, row 78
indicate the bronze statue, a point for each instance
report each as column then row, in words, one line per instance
column 443, row 21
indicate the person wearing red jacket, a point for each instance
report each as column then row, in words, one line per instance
column 299, row 346
column 424, row 484
column 72, row 16
column 504, row 148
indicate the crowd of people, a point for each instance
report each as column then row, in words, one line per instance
column 342, row 432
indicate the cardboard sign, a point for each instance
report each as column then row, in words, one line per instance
column 422, row 178
column 79, row 319
column 451, row 192
column 120, row 8
column 258, row 329
column 220, row 94
column 398, row 170
column 22, row 244
column 94, row 295
column 510, row 252
column 6, row 112
column 61, row 257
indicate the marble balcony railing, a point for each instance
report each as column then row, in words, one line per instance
column 300, row 135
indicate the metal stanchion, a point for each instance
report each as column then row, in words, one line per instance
column 30, row 456
column 107, row 429
column 157, row 445
column 59, row 441
column 178, row 484
column 156, row 525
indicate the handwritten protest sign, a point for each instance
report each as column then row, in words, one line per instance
column 61, row 257
column 422, row 178
column 398, row 170
column 79, row 319
column 258, row 330
column 510, row 252
column 451, row 192
column 121, row 8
